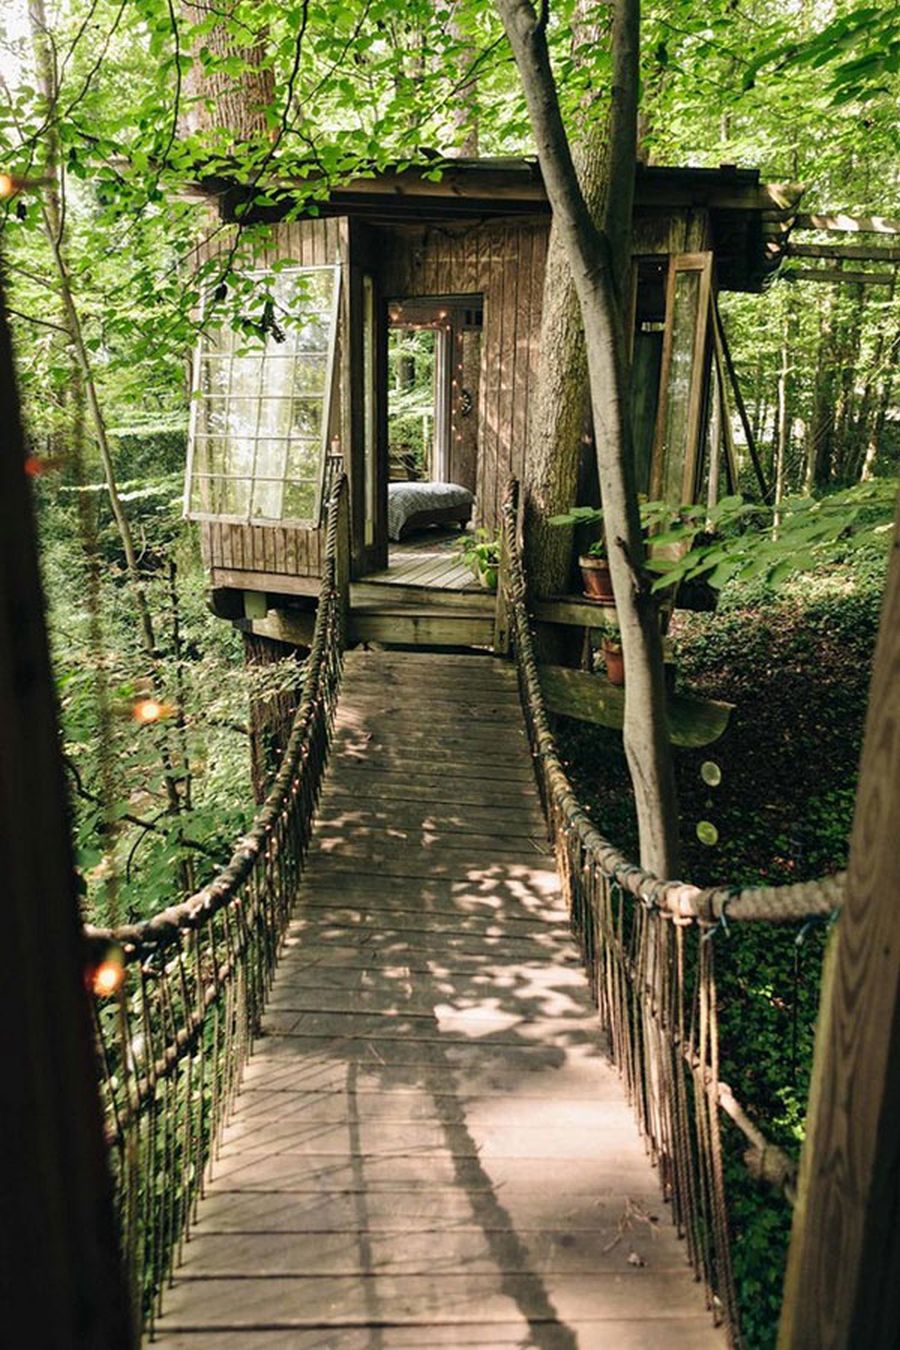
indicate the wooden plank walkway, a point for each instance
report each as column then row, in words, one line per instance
column 430, row 558
column 429, row 1147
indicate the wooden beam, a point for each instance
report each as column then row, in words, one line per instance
column 853, row 252
column 693, row 722
column 60, row 1276
column 843, row 224
column 843, row 1277
column 833, row 275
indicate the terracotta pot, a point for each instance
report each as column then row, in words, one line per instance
column 596, row 579
column 614, row 662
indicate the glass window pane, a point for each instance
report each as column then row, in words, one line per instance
column 303, row 459
column 263, row 404
column 306, row 417
column 246, row 376
column 299, row 500
column 678, row 394
column 275, row 417
column 229, row 496
column 309, row 374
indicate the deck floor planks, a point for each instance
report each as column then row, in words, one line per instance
column 429, row 1147
column 429, row 558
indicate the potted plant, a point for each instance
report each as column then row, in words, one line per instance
column 595, row 575
column 611, row 647
column 481, row 554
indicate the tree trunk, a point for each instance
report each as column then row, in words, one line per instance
column 561, row 407
column 61, row 1280
column 596, row 261
column 234, row 105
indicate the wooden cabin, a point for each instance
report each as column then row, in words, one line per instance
column 405, row 337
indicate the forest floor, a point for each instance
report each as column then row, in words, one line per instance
column 796, row 664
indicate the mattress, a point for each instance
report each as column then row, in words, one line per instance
column 428, row 503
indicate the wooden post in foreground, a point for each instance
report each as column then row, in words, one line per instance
column 61, row 1285
column 842, row 1289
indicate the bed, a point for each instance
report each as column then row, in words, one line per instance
column 414, row 505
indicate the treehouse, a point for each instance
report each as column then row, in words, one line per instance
column 403, row 335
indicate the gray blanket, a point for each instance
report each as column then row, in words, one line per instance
column 409, row 499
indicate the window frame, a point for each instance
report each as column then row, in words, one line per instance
column 314, row 521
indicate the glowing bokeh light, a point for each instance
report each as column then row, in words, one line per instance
column 711, row 773
column 107, row 977
column 707, row 832
column 148, row 710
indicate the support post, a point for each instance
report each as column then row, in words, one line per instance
column 60, row 1270
column 501, row 616
column 842, row 1288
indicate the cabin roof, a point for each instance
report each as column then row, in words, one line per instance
column 750, row 220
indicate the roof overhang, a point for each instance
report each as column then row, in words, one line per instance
column 750, row 220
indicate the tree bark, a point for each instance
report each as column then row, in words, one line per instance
column 61, row 1280
column 560, row 412
column 596, row 271
column 234, row 105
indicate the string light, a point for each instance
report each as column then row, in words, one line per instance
column 148, row 710
column 107, row 978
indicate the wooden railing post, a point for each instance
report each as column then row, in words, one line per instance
column 501, row 615
column 342, row 560
column 842, row 1288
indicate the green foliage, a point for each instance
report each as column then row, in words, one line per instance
column 796, row 664
column 750, row 542
column 481, row 553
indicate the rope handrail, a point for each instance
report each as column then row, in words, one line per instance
column 656, row 991
column 186, row 986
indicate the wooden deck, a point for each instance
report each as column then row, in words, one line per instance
column 428, row 558
column 429, row 1148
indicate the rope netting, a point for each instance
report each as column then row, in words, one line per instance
column 652, row 971
column 180, row 995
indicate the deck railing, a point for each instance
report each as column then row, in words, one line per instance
column 652, row 971
column 180, row 995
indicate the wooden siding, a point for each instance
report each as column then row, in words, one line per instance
column 504, row 262
column 277, row 550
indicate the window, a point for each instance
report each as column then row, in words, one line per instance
column 262, row 406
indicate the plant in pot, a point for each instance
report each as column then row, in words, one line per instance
column 595, row 575
column 481, row 554
column 611, row 647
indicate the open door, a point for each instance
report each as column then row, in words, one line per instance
column 675, row 466
column 434, row 371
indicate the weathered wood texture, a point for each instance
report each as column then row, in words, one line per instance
column 60, row 1276
column 430, row 1147
column 843, row 1281
column 274, row 550
column 591, row 698
column 503, row 262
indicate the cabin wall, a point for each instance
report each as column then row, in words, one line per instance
column 249, row 556
column 503, row 262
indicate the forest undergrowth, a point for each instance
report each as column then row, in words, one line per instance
column 796, row 665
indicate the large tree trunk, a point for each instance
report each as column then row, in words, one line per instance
column 561, row 408
column 595, row 258
column 235, row 105
column 61, row 1280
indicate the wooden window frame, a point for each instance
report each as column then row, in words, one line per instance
column 314, row 520
column 702, row 264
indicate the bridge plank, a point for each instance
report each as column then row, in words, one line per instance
column 429, row 1146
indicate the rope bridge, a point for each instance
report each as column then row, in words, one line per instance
column 181, row 994
column 186, row 988
column 652, row 972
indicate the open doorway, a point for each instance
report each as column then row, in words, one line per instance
column 434, row 379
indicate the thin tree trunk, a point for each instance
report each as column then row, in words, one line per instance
column 595, row 258
column 783, row 424
column 54, row 226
